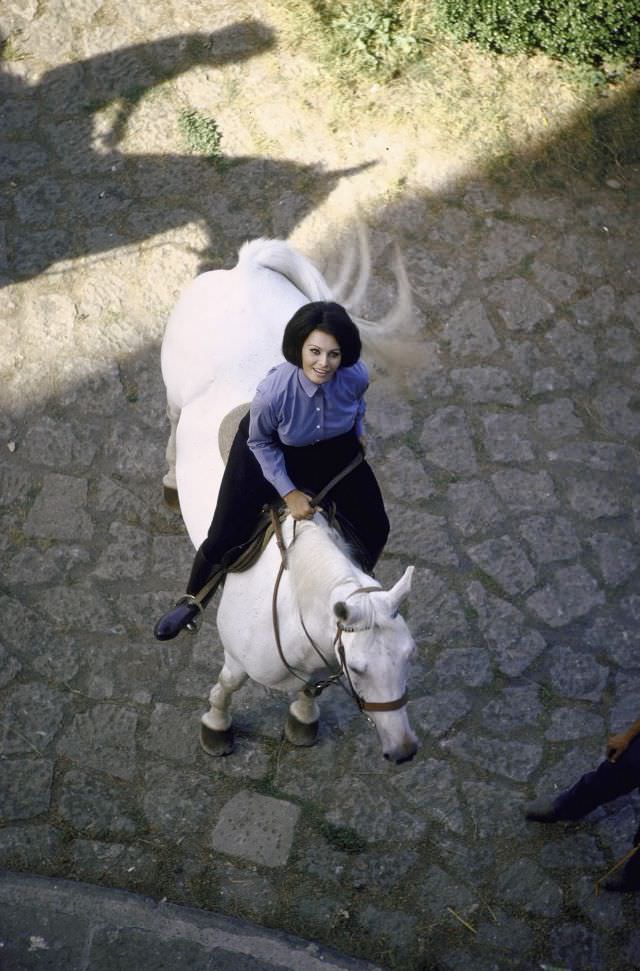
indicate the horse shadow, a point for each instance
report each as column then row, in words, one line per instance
column 70, row 198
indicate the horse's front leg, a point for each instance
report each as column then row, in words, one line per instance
column 169, row 481
column 303, row 720
column 216, row 731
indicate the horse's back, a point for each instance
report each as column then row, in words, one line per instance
column 227, row 325
column 223, row 335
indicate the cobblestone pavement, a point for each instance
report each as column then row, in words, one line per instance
column 510, row 467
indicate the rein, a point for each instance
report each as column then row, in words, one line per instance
column 314, row 689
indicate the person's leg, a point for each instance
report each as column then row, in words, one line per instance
column 627, row 879
column 607, row 782
column 359, row 503
column 243, row 493
column 360, row 509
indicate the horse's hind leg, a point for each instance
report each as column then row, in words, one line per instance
column 216, row 731
column 301, row 726
column 169, row 481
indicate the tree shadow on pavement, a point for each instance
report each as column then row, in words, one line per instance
column 69, row 199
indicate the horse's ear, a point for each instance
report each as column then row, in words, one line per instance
column 401, row 590
column 350, row 616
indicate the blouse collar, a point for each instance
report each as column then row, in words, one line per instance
column 309, row 387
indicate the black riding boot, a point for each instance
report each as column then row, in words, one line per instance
column 185, row 611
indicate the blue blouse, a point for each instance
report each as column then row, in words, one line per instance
column 290, row 406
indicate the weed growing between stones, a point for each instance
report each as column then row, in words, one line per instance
column 342, row 838
column 9, row 51
column 201, row 134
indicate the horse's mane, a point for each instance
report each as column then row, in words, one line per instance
column 321, row 560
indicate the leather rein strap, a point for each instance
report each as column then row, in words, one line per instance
column 253, row 548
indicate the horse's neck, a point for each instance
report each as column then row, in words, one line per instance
column 322, row 572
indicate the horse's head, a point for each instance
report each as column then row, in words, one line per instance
column 377, row 651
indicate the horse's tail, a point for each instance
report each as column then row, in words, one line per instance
column 392, row 339
column 279, row 256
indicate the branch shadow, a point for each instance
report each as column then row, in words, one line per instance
column 66, row 200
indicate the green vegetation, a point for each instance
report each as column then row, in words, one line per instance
column 385, row 37
column 342, row 838
column 201, row 134
column 545, row 115
column 9, row 51
column 584, row 31
column 379, row 37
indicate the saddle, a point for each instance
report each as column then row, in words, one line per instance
column 250, row 552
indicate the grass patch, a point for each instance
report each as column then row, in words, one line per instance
column 375, row 37
column 546, row 118
column 342, row 838
column 201, row 134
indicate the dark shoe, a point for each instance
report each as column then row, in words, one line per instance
column 542, row 811
column 183, row 614
column 186, row 611
column 622, row 883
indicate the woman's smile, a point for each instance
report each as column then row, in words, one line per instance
column 321, row 356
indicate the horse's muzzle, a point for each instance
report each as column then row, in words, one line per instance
column 404, row 752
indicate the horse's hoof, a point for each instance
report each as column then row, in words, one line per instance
column 171, row 498
column 302, row 734
column 216, row 743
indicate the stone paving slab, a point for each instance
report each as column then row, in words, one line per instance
column 510, row 466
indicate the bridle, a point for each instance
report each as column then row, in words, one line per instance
column 312, row 689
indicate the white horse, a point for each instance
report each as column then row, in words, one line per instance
column 223, row 335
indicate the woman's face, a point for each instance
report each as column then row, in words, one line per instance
column 321, row 356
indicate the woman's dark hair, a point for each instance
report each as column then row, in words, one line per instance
column 325, row 316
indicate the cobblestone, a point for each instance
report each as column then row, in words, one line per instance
column 510, row 467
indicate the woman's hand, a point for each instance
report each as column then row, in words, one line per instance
column 616, row 745
column 298, row 505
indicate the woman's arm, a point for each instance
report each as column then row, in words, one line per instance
column 262, row 442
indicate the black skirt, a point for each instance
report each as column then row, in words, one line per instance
column 244, row 491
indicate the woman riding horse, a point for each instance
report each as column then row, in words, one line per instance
column 304, row 427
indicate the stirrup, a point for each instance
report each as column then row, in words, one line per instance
column 194, row 625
